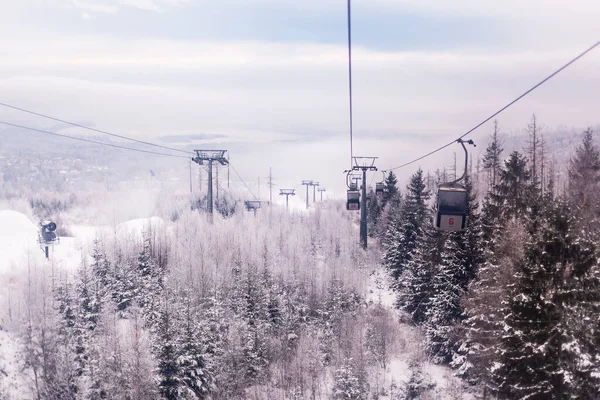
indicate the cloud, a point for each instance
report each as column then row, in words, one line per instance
column 195, row 137
column 113, row 6
column 285, row 102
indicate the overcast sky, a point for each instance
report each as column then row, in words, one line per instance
column 268, row 79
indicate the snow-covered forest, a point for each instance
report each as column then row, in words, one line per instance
column 286, row 305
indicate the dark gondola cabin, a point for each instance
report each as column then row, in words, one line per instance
column 379, row 190
column 451, row 207
column 353, row 201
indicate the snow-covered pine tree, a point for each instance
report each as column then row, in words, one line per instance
column 192, row 353
column 124, row 288
column 543, row 356
column 101, row 268
column 512, row 195
column 534, row 147
column 166, row 349
column 418, row 384
column 390, row 190
column 417, row 277
column 149, row 284
column 407, row 229
column 484, row 305
column 584, row 178
column 258, row 322
column 444, row 309
column 88, row 312
column 491, row 158
column 350, row 382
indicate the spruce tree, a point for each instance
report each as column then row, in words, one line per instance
column 418, row 384
column 166, row 348
column 543, row 354
column 408, row 227
column 513, row 193
column 417, row 277
column 533, row 149
column 444, row 309
column 390, row 190
column 584, row 176
column 350, row 382
column 192, row 353
column 491, row 158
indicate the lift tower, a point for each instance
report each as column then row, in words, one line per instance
column 210, row 156
column 321, row 190
column 314, row 185
column 307, row 184
column 287, row 193
column 364, row 164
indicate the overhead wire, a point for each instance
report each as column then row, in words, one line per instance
column 102, row 143
column 106, row 144
column 91, row 129
column 350, row 76
column 90, row 140
column 502, row 109
column 243, row 182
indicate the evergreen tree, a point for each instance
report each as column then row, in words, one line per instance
column 444, row 308
column 491, row 158
column 350, row 382
column 101, row 268
column 257, row 317
column 124, row 288
column 390, row 190
column 513, row 194
column 192, row 354
column 543, row 355
column 584, row 176
column 417, row 277
column 408, row 228
column 533, row 149
column 418, row 383
column 148, row 285
column 166, row 350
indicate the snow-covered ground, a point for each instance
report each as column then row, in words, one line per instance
column 23, row 263
column 409, row 347
column 12, row 379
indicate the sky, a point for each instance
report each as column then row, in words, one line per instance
column 268, row 79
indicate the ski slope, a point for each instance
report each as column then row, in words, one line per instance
column 23, row 271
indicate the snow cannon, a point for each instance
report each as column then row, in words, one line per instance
column 47, row 236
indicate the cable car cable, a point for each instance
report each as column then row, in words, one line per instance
column 247, row 187
column 350, row 75
column 502, row 109
column 90, row 141
column 91, row 129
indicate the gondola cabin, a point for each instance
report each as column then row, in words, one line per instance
column 451, row 207
column 353, row 201
column 379, row 190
